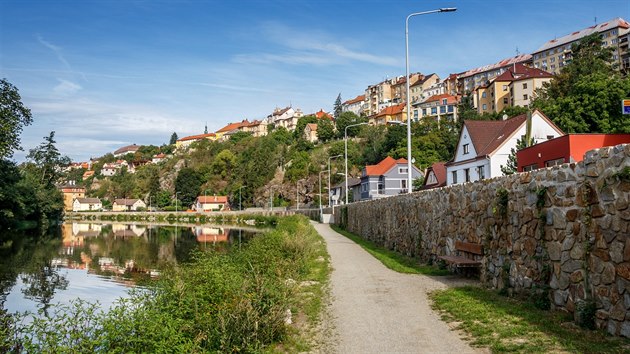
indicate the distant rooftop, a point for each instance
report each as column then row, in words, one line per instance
column 602, row 27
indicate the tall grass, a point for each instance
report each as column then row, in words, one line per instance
column 234, row 302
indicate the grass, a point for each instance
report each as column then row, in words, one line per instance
column 391, row 259
column 509, row 325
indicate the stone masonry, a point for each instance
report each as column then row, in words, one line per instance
column 563, row 229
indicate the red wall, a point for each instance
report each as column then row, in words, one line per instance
column 567, row 147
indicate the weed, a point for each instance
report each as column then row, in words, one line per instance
column 501, row 202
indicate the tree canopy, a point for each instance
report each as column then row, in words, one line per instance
column 13, row 117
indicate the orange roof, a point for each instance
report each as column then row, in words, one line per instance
column 382, row 167
column 212, row 199
column 321, row 115
column 312, row 126
column 197, row 137
column 501, row 64
column 160, row 156
column 391, row 110
column 450, row 99
column 233, row 126
column 357, row 99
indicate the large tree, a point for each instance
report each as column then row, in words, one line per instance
column 586, row 96
column 48, row 160
column 187, row 185
column 325, row 130
column 338, row 108
column 348, row 118
column 173, row 138
column 13, row 117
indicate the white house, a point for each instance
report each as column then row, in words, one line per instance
column 484, row 146
column 127, row 204
column 212, row 203
column 86, row 204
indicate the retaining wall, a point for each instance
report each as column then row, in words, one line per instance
column 561, row 232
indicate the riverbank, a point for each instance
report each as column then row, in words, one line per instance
column 266, row 294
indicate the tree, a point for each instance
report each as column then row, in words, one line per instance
column 586, row 96
column 48, row 160
column 346, row 119
column 338, row 108
column 173, row 139
column 325, row 130
column 187, row 185
column 13, row 117
column 224, row 163
column 521, row 143
column 301, row 124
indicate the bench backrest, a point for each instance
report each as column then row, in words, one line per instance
column 474, row 248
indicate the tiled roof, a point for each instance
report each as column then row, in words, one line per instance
column 382, row 167
column 312, row 126
column 614, row 23
column 212, row 199
column 521, row 72
column 125, row 201
column 279, row 112
column 422, row 80
column 233, row 126
column 391, row 110
column 197, row 137
column 160, row 156
column 88, row 200
column 128, row 148
column 357, row 99
column 501, row 64
column 450, row 99
column 321, row 114
column 254, row 123
column 439, row 169
column 487, row 135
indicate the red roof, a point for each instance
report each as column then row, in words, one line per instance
column 391, row 110
column 382, row 167
column 439, row 170
column 487, row 135
column 233, row 126
column 160, row 156
column 501, row 64
column 322, row 115
column 212, row 199
column 450, row 99
column 522, row 72
column 197, row 137
column 357, row 99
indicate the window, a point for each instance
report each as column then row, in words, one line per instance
column 530, row 168
column 415, row 114
column 424, row 112
column 613, row 41
column 450, row 109
column 403, row 184
column 553, row 66
column 505, row 87
column 483, row 94
column 454, row 173
column 402, row 170
column 444, row 101
column 525, row 97
column 484, row 107
column 481, row 172
column 467, row 174
column 431, row 179
column 466, row 150
column 442, row 109
column 505, row 100
column 364, row 187
column 525, row 85
column 433, row 110
column 549, row 137
column 555, row 162
column 552, row 60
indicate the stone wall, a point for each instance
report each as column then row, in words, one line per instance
column 561, row 233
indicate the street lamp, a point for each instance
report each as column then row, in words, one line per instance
column 240, row 206
column 271, row 198
column 409, row 170
column 176, row 193
column 345, row 139
column 297, row 193
column 321, row 211
column 330, row 158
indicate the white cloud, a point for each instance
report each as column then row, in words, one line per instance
column 66, row 87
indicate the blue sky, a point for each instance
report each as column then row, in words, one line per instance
column 104, row 74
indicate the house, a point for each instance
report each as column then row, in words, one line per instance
column 469, row 80
column 438, row 107
column 285, row 117
column 322, row 115
column 356, row 105
column 158, row 158
column 210, row 234
column 484, row 146
column 225, row 132
column 435, row 176
column 87, row 204
column 128, row 204
column 338, row 191
column 310, row 132
column 514, row 87
column 565, row 149
column 109, row 169
column 212, row 203
column 87, row 174
column 186, row 141
column 387, row 178
column 71, row 192
column 129, row 149
column 556, row 53
column 389, row 114
column 257, row 128
column 425, row 87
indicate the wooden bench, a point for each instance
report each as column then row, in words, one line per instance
column 466, row 252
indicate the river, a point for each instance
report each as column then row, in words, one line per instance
column 98, row 261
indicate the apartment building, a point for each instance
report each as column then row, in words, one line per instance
column 285, row 117
column 624, row 52
column 388, row 115
column 556, row 53
column 442, row 106
column 356, row 105
column 422, row 89
column 514, row 87
column 471, row 79
column 387, row 93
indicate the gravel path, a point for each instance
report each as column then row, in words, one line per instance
column 376, row 310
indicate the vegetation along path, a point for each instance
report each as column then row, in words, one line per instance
column 376, row 310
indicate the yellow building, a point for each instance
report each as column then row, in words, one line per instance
column 70, row 193
column 186, row 141
column 396, row 114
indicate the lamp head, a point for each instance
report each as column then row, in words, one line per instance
column 448, row 9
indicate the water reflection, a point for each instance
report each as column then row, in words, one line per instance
column 98, row 261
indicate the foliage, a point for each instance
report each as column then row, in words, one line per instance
column 13, row 117
column 348, row 118
column 509, row 325
column 48, row 160
column 586, row 96
column 391, row 259
column 173, row 139
column 501, row 202
column 585, row 314
column 224, row 164
column 239, row 135
column 512, row 164
column 187, row 186
column 337, row 106
column 325, row 130
column 301, row 125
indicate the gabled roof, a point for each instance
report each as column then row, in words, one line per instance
column 422, row 80
column 127, row 201
column 279, row 112
column 450, row 99
column 128, row 148
column 322, row 115
column 159, row 156
column 487, row 135
column 197, row 137
column 312, row 126
column 439, row 170
column 569, row 38
column 382, row 167
column 501, row 64
column 212, row 199
column 391, row 110
column 233, row 126
column 521, row 72
column 88, row 200
column 357, row 99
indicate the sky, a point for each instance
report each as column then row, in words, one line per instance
column 105, row 74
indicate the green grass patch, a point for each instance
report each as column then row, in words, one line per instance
column 392, row 260
column 219, row 302
column 510, row 325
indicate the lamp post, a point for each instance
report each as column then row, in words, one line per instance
column 240, row 206
column 205, row 200
column 330, row 158
column 345, row 139
column 409, row 170
column 297, row 193
column 321, row 211
column 176, row 193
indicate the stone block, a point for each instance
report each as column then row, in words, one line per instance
column 616, row 251
column 618, row 312
column 623, row 270
column 608, row 274
column 572, row 214
column 626, row 250
column 597, row 211
column 560, row 297
column 577, row 252
column 553, row 249
column 577, row 276
column 623, row 285
column 613, row 327
column 571, row 266
column 559, row 219
column 625, row 329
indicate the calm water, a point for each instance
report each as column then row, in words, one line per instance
column 98, row 262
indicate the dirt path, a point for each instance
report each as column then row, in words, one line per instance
column 376, row 310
